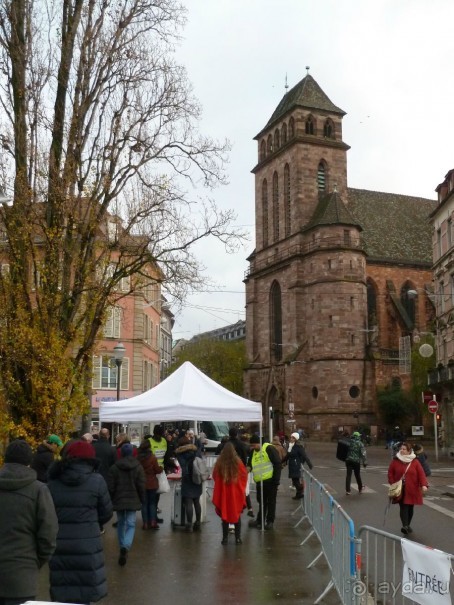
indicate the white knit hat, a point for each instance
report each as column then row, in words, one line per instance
column 295, row 436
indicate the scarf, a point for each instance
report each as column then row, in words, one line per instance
column 290, row 446
column 406, row 458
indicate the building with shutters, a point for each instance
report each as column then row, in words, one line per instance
column 328, row 315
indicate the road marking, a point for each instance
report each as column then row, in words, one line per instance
column 440, row 509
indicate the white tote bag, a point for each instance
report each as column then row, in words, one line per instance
column 164, row 485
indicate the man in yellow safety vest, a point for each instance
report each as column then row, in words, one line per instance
column 266, row 470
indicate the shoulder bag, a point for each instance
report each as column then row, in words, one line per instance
column 395, row 489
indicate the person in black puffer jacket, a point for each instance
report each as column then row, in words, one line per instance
column 190, row 491
column 126, row 482
column 82, row 502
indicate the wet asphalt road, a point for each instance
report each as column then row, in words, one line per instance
column 269, row 567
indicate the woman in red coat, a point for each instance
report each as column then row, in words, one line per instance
column 229, row 495
column 414, row 483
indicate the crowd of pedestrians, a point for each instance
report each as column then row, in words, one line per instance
column 60, row 518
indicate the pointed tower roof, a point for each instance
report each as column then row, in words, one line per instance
column 308, row 94
column 331, row 210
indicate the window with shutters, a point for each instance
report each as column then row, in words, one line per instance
column 112, row 327
column 105, row 372
column 321, row 177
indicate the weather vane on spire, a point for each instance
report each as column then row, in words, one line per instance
column 307, row 69
column 286, row 84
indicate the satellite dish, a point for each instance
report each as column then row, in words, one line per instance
column 426, row 350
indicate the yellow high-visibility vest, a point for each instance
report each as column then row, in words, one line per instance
column 159, row 449
column 262, row 467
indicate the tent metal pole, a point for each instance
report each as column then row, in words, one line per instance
column 262, row 508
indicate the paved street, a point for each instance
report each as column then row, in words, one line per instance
column 268, row 567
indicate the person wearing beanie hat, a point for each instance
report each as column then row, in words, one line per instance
column 355, row 456
column 19, row 452
column 266, row 471
column 45, row 455
column 28, row 525
column 83, row 504
column 295, row 458
column 159, row 446
column 126, row 481
column 81, row 449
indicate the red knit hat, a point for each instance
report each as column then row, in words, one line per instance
column 81, row 449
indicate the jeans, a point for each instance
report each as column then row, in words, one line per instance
column 126, row 527
column 150, row 506
column 355, row 468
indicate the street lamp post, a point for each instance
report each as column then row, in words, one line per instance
column 119, row 353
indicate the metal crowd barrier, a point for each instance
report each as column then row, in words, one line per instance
column 379, row 568
column 336, row 533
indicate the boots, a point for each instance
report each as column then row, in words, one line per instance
column 225, row 533
column 238, row 539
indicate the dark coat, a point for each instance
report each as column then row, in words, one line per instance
column 185, row 455
column 296, row 457
column 105, row 453
column 241, row 448
column 422, row 457
column 126, row 481
column 42, row 460
column 415, row 479
column 28, row 530
column 82, row 502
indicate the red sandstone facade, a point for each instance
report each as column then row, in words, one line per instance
column 325, row 306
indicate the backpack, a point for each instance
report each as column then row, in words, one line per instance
column 200, row 471
column 343, row 445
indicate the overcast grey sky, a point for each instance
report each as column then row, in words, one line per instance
column 387, row 63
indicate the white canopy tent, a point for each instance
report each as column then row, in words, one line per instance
column 187, row 394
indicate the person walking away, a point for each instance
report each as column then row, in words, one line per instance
column 280, row 449
column 266, row 470
column 190, row 491
column 28, row 526
column 159, row 446
column 421, row 456
column 45, row 455
column 105, row 454
column 126, row 481
column 414, row 483
column 82, row 502
column 151, row 467
column 295, row 458
column 230, row 477
column 355, row 457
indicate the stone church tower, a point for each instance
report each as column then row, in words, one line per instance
column 310, row 301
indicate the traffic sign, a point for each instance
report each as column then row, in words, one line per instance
column 432, row 406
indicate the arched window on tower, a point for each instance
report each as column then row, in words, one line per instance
column 322, row 178
column 328, row 129
column 284, row 133
column 275, row 207
column 276, row 139
column 265, row 212
column 287, row 206
column 310, row 125
column 276, row 322
column 408, row 302
column 372, row 315
column 269, row 144
column 262, row 150
column 291, row 126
